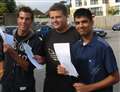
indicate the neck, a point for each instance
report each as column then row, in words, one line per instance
column 22, row 33
column 87, row 39
column 63, row 29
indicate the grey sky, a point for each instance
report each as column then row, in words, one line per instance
column 43, row 5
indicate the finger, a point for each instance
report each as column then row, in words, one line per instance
column 76, row 84
column 19, row 55
column 60, row 70
column 24, row 57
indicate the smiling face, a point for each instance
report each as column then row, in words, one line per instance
column 83, row 25
column 24, row 21
column 58, row 19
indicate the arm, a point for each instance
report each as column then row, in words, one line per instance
column 108, row 81
column 22, row 62
column 1, row 68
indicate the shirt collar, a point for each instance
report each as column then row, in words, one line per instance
column 89, row 44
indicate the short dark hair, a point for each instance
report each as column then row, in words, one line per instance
column 26, row 9
column 83, row 12
column 60, row 7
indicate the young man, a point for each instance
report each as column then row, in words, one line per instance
column 17, row 64
column 93, row 57
column 61, row 33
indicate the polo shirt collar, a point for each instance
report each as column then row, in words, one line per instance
column 90, row 43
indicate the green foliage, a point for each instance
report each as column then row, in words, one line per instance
column 7, row 6
column 11, row 5
column 113, row 10
column 3, row 8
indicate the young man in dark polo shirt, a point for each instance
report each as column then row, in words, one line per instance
column 93, row 57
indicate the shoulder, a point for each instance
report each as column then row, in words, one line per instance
column 37, row 37
column 76, row 45
column 44, row 31
column 73, row 31
column 102, row 42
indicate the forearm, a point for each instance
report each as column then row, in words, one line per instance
column 13, row 54
column 108, row 81
column 1, row 68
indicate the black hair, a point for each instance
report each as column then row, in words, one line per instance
column 60, row 7
column 83, row 12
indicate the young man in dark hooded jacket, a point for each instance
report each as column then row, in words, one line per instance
column 18, row 68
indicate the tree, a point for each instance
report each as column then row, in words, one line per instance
column 11, row 5
column 3, row 8
column 113, row 10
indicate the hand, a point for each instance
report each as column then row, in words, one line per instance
column 6, row 47
column 80, row 87
column 61, row 70
column 22, row 61
column 23, row 57
column 18, row 58
column 39, row 59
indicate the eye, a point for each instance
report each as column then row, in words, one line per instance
column 51, row 17
column 77, row 22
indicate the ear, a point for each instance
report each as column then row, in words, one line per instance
column 92, row 22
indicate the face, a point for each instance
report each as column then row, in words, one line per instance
column 83, row 25
column 58, row 19
column 24, row 21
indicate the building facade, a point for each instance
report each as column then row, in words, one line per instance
column 98, row 7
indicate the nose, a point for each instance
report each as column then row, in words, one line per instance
column 80, row 24
column 23, row 20
column 53, row 19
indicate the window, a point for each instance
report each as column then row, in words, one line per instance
column 105, row 1
column 117, row 0
column 93, row 2
column 85, row 2
column 97, row 11
column 78, row 3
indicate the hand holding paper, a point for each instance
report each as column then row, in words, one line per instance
column 62, row 70
column 63, row 54
column 28, row 51
column 8, row 39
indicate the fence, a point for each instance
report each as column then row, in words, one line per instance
column 106, row 21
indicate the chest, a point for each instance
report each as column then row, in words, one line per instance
column 54, row 37
column 89, row 54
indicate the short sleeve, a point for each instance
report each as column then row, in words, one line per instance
column 110, row 60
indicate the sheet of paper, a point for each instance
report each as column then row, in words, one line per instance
column 9, row 39
column 28, row 51
column 2, row 34
column 63, row 54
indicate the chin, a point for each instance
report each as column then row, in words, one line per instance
column 56, row 27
